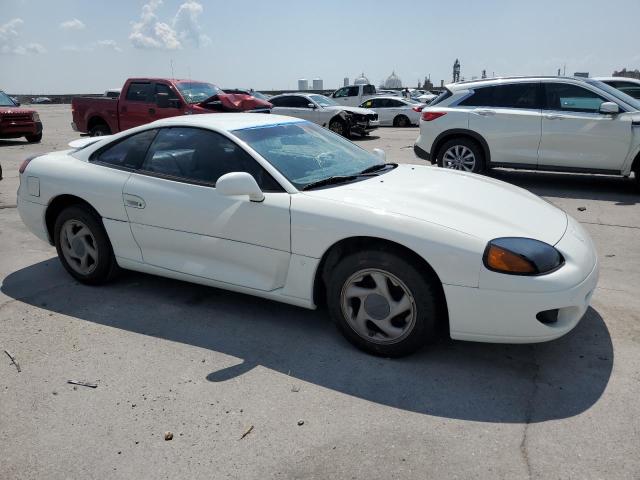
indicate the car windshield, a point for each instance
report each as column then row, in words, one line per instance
column 620, row 95
column 306, row 153
column 323, row 101
column 196, row 92
column 5, row 100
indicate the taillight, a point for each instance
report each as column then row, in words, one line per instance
column 418, row 108
column 25, row 162
column 428, row 116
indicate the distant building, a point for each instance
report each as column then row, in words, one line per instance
column 628, row 73
column 393, row 81
column 303, row 84
column 361, row 80
column 427, row 85
column 317, row 84
column 345, row 82
column 581, row 74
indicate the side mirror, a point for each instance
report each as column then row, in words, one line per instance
column 311, row 105
column 609, row 108
column 378, row 152
column 239, row 183
column 162, row 100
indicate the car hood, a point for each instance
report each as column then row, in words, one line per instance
column 343, row 108
column 469, row 203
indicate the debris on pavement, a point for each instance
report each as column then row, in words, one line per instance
column 247, row 432
column 300, row 423
column 83, row 384
column 295, row 388
column 13, row 360
column 609, row 255
column 582, row 209
column 168, row 436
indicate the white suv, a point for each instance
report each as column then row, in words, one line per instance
column 543, row 123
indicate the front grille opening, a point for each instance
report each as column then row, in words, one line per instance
column 548, row 316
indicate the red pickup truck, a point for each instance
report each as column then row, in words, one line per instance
column 144, row 100
column 18, row 122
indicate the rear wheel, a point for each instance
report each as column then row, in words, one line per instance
column 34, row 138
column 99, row 130
column 461, row 154
column 382, row 303
column 401, row 121
column 83, row 246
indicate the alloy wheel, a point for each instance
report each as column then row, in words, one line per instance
column 79, row 246
column 459, row 157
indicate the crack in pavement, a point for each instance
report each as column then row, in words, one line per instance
column 529, row 414
column 610, row 225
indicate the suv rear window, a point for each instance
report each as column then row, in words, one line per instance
column 516, row 95
column 446, row 93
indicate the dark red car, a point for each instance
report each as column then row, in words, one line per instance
column 144, row 100
column 16, row 122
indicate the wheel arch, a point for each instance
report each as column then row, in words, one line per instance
column 96, row 120
column 460, row 132
column 349, row 245
column 57, row 205
column 399, row 115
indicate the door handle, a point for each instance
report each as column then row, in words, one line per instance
column 152, row 111
column 484, row 113
column 553, row 116
column 133, row 201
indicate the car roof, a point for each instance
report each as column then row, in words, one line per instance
column 514, row 79
column 226, row 122
column 617, row 79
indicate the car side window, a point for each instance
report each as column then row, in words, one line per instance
column 277, row 102
column 202, row 156
column 368, row 90
column 396, row 103
column 516, row 95
column 288, row 101
column 352, row 91
column 369, row 104
column 128, row 153
column 341, row 92
column 571, row 98
column 139, row 92
column 299, row 102
column 631, row 89
column 163, row 88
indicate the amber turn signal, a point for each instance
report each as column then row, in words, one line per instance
column 505, row 261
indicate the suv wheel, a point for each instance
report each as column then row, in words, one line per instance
column 382, row 304
column 100, row 130
column 461, row 154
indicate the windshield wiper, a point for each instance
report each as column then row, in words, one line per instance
column 377, row 167
column 330, row 181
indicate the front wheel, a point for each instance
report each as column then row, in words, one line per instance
column 338, row 126
column 83, row 246
column 382, row 304
column 461, row 154
column 401, row 121
column 34, row 138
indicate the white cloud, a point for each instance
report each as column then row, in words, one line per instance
column 185, row 28
column 73, row 24
column 9, row 36
column 100, row 44
column 109, row 44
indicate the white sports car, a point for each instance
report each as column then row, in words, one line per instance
column 281, row 208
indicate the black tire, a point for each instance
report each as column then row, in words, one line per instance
column 423, row 290
column 463, row 142
column 401, row 121
column 106, row 267
column 100, row 130
column 337, row 125
column 34, row 138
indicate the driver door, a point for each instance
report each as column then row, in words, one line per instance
column 182, row 224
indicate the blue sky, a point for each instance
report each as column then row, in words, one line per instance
column 86, row 46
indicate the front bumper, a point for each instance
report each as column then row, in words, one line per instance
column 503, row 308
column 19, row 129
column 365, row 126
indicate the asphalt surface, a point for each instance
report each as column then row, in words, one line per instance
column 207, row 365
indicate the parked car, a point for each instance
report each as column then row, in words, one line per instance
column 112, row 92
column 539, row 123
column 245, row 91
column 389, row 93
column 16, row 122
column 44, row 100
column 630, row 86
column 353, row 95
column 305, row 217
column 343, row 120
column 395, row 111
column 147, row 99
column 426, row 97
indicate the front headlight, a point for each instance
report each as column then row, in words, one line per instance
column 521, row 256
column 35, row 117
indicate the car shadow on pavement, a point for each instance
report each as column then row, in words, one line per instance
column 12, row 143
column 621, row 190
column 461, row 380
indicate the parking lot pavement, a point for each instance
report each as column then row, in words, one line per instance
column 207, row 365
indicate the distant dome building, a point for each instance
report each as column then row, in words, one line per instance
column 393, row 81
column 361, row 80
